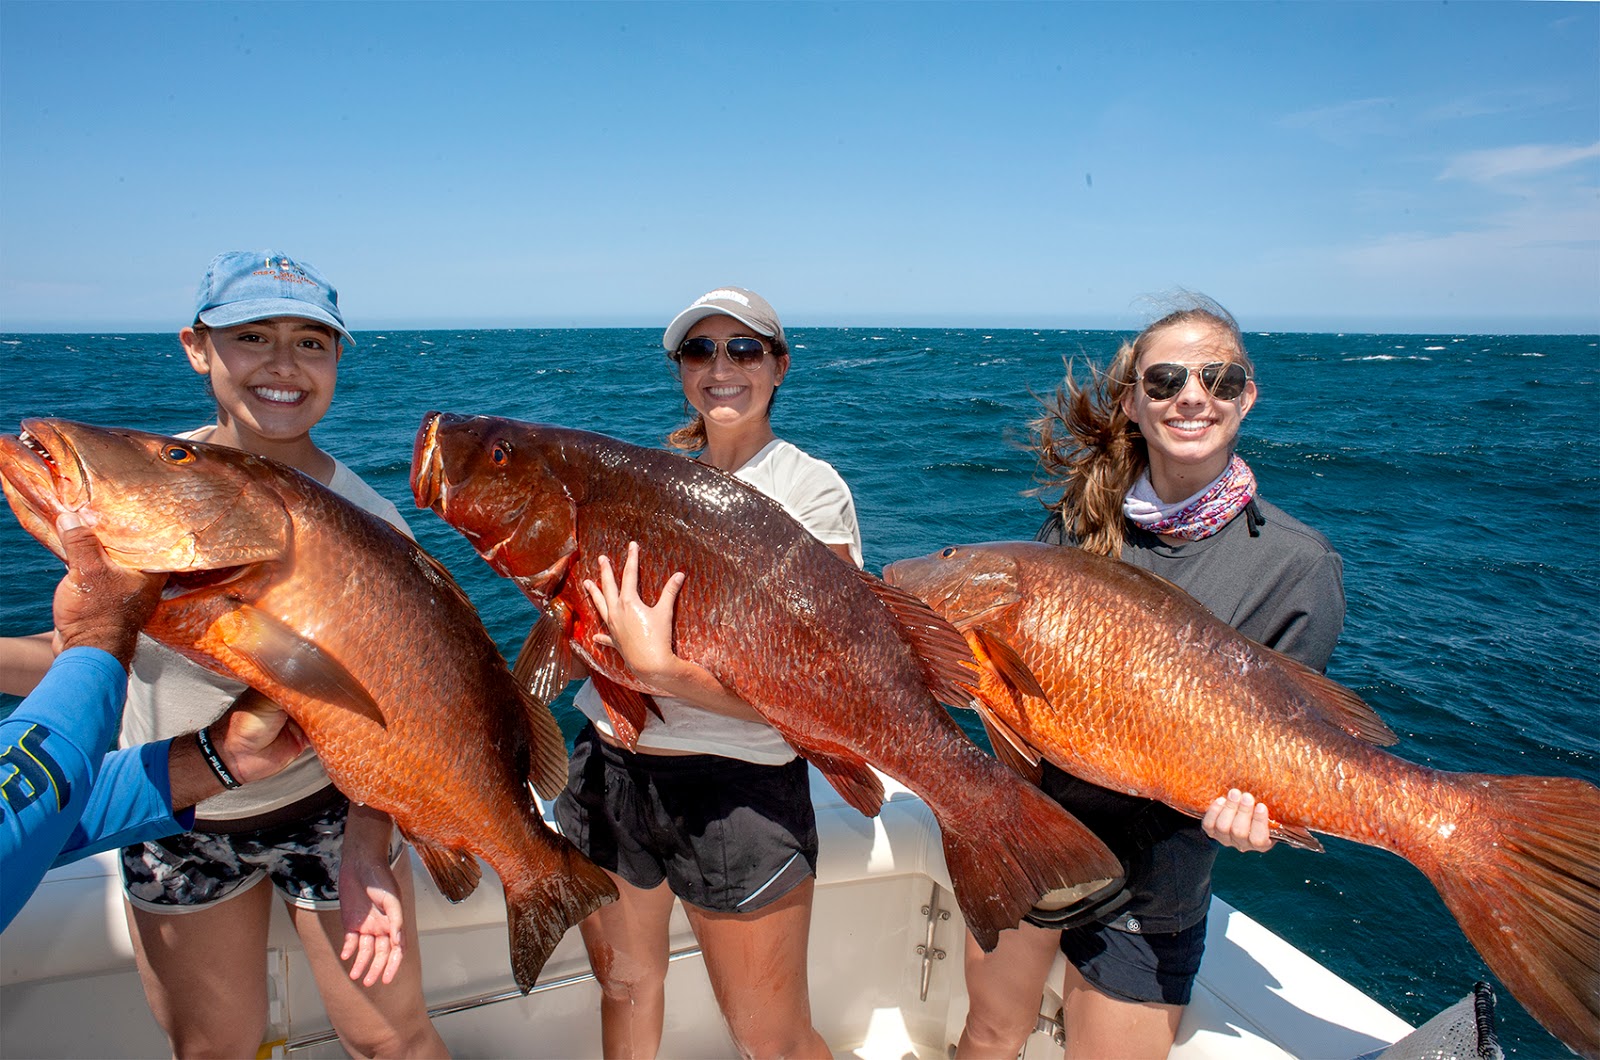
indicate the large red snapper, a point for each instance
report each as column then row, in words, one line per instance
column 1118, row 677
column 847, row 669
column 363, row 638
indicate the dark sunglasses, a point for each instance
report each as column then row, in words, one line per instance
column 1224, row 380
column 699, row 352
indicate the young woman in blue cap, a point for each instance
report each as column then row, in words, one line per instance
column 712, row 807
column 1148, row 473
column 268, row 336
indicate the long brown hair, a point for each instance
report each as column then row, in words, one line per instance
column 1087, row 446
column 691, row 437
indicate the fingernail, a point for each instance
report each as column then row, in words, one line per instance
column 68, row 521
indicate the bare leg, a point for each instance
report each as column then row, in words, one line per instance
column 757, row 964
column 205, row 973
column 1003, row 991
column 628, row 944
column 1100, row 1025
column 388, row 1020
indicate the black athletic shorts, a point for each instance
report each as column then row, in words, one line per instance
column 1137, row 967
column 727, row 836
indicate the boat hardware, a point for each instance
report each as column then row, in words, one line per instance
column 927, row 950
column 324, row 1037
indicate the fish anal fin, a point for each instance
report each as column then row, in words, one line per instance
column 852, row 778
column 546, row 664
column 940, row 649
column 1010, row 748
column 294, row 662
column 1006, row 663
column 1295, row 836
column 626, row 707
column 455, row 872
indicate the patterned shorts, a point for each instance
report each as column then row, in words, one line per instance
column 195, row 869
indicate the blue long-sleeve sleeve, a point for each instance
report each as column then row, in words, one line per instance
column 61, row 796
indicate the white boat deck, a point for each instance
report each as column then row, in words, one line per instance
column 68, row 986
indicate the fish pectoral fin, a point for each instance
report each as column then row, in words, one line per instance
column 942, row 653
column 455, row 872
column 546, row 664
column 296, row 663
column 1006, row 663
column 852, row 778
column 1010, row 748
column 626, row 707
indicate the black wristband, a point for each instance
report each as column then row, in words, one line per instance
column 214, row 760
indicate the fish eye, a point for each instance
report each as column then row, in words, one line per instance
column 501, row 453
column 178, row 454
column 947, row 553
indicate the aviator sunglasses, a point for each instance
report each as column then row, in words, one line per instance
column 1224, row 380
column 699, row 352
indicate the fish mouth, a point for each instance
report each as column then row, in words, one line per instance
column 427, row 464
column 42, row 468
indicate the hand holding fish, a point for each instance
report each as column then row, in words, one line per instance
column 369, row 898
column 1237, row 820
column 97, row 604
column 642, row 635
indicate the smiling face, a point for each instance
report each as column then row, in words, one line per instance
column 1190, row 436
column 273, row 379
column 734, row 401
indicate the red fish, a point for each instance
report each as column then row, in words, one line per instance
column 364, row 639
column 1117, row 677
column 847, row 669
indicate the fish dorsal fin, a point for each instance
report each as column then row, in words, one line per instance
column 942, row 653
column 547, row 757
column 455, row 872
column 294, row 662
column 1004, row 661
column 626, row 707
column 1010, row 748
column 853, row 779
column 1338, row 705
column 546, row 664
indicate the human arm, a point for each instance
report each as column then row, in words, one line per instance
column 23, row 662
column 369, row 898
column 642, row 635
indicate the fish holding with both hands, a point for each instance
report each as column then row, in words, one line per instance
column 848, row 670
column 362, row 637
column 1120, row 678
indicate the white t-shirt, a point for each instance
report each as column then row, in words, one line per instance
column 810, row 490
column 168, row 695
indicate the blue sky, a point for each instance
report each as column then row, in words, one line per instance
column 1313, row 166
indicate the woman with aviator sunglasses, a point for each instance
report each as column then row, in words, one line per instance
column 1146, row 463
column 712, row 806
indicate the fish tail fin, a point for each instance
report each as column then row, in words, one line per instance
column 1527, row 896
column 542, row 910
column 1007, row 851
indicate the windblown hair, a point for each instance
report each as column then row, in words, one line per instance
column 1087, row 446
column 691, row 437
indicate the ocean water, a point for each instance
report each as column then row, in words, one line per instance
column 1452, row 472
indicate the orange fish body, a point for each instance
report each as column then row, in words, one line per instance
column 846, row 669
column 1119, row 678
column 361, row 636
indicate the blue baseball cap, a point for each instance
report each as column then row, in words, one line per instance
column 245, row 285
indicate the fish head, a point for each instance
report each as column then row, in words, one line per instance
column 155, row 503
column 964, row 584
column 490, row 479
